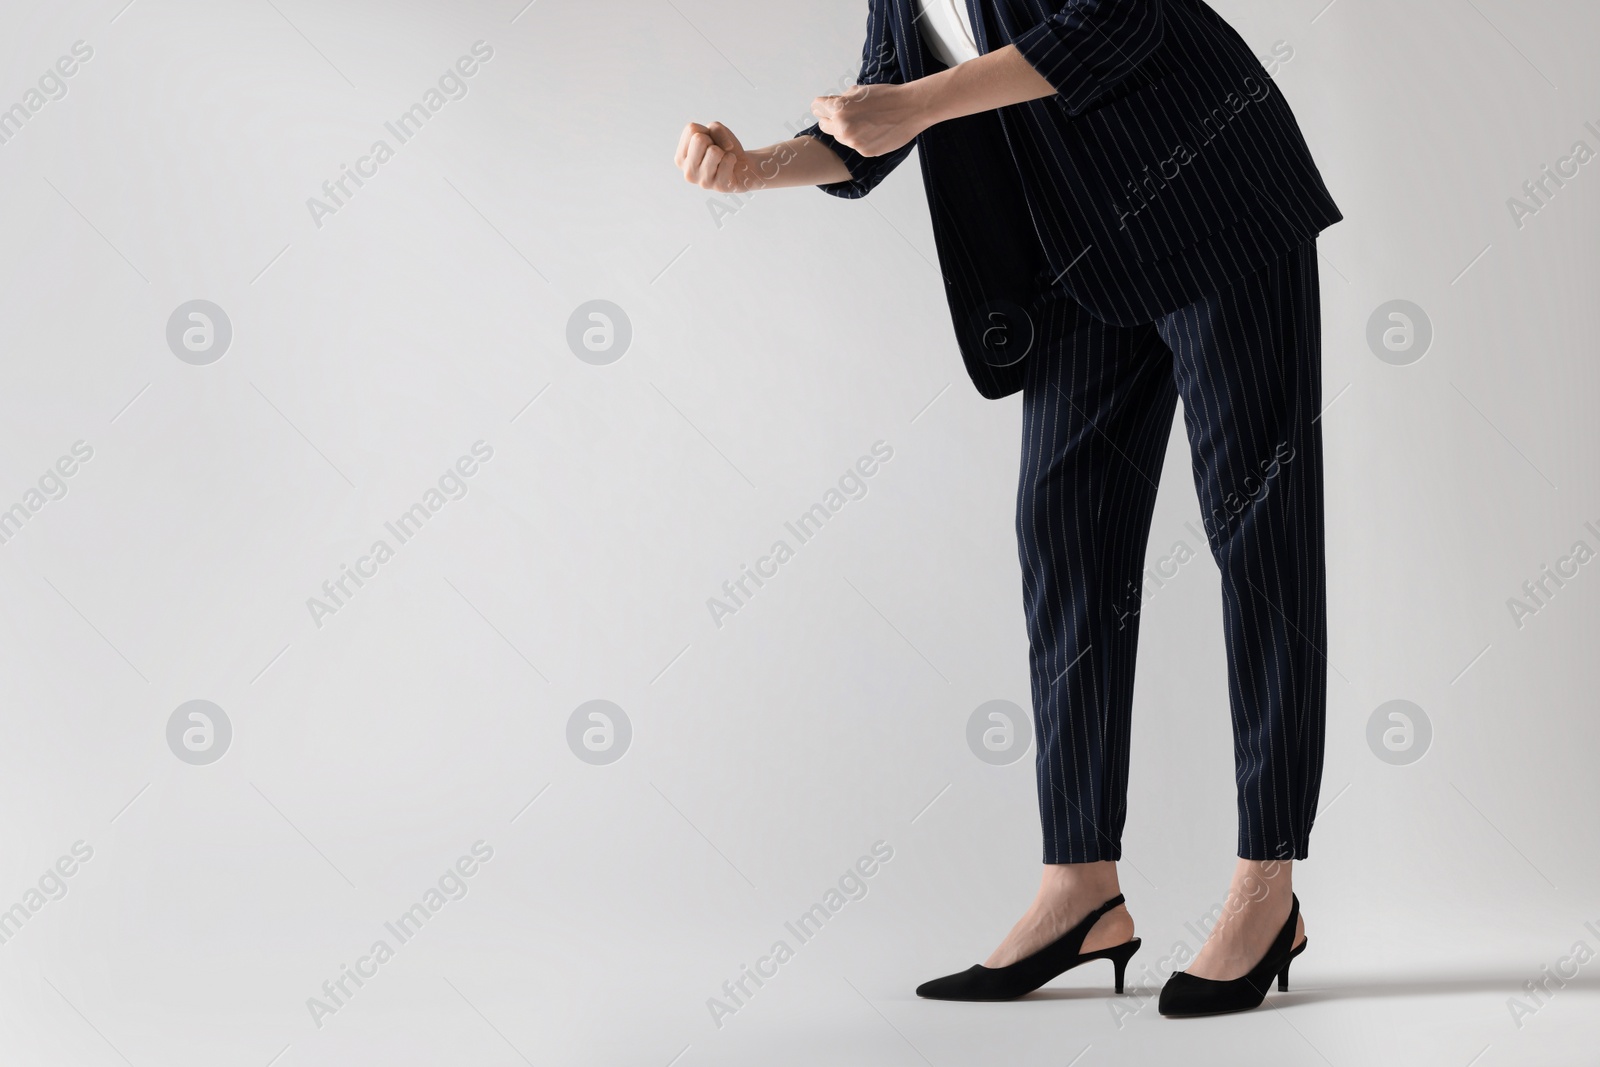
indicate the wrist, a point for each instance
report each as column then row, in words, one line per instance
column 758, row 168
column 931, row 97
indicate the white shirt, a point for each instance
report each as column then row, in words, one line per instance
column 947, row 30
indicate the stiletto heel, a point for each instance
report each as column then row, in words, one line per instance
column 1186, row 995
column 1283, row 975
column 1119, row 957
column 1029, row 973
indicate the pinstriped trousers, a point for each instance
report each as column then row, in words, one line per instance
column 1098, row 405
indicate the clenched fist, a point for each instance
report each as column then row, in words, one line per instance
column 874, row 119
column 712, row 158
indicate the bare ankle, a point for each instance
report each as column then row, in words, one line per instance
column 1262, row 882
column 1085, row 879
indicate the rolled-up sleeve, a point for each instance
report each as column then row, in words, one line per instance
column 865, row 171
column 1088, row 45
column 879, row 66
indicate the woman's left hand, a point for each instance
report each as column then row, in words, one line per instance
column 873, row 119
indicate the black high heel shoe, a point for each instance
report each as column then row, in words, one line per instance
column 1029, row 973
column 1186, row 995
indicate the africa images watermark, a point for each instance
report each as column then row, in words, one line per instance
column 1155, row 578
column 452, row 85
column 51, row 886
column 51, row 486
column 52, row 86
column 1144, row 191
column 1541, row 590
column 452, row 485
column 1538, row 992
column 1543, row 189
column 1183, row 953
column 1255, row 489
column 852, row 486
column 451, row 885
column 851, row 885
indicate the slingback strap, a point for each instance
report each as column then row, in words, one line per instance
column 1102, row 909
column 1076, row 936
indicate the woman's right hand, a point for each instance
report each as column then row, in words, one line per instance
column 712, row 158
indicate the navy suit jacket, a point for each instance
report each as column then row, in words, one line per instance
column 1166, row 165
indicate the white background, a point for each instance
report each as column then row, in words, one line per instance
column 829, row 713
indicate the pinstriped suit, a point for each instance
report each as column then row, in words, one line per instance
column 1146, row 233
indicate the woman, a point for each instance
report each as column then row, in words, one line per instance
column 1125, row 213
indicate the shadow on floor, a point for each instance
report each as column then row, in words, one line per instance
column 1303, row 991
column 1429, row 985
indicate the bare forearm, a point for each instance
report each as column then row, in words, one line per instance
column 877, row 119
column 712, row 158
column 872, row 120
column 997, row 79
column 797, row 161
